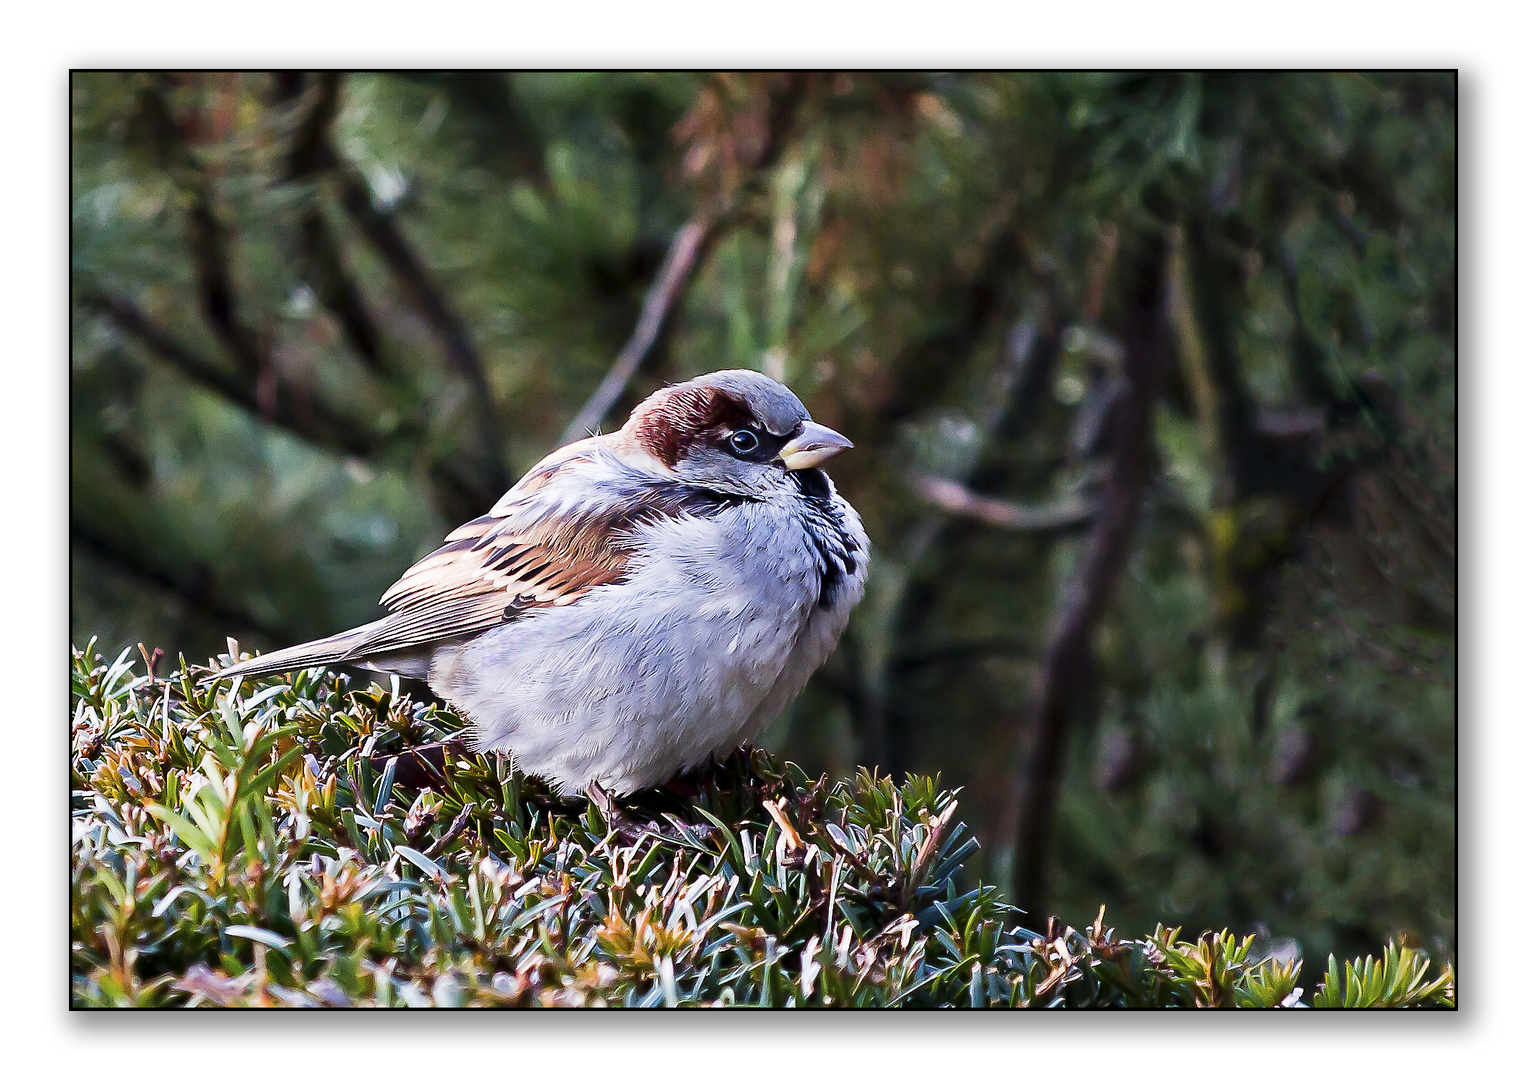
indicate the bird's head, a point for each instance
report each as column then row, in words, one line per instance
column 735, row 431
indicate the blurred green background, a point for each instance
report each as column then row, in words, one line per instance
column 1151, row 379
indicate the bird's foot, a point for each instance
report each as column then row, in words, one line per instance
column 627, row 828
column 654, row 820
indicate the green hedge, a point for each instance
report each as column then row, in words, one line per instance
column 260, row 845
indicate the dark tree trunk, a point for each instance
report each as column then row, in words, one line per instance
column 1068, row 672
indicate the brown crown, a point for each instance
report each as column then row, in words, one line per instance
column 672, row 422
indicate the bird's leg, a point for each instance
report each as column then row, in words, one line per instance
column 749, row 766
column 625, row 827
column 602, row 799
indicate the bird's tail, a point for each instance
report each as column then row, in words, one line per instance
column 329, row 650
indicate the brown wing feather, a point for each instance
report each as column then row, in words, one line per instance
column 519, row 558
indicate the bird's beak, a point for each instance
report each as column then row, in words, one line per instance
column 814, row 445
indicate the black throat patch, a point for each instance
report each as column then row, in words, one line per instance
column 837, row 552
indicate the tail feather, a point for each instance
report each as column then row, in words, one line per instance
column 329, row 650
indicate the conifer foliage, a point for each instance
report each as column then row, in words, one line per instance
column 254, row 845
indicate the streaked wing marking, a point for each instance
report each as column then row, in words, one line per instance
column 494, row 567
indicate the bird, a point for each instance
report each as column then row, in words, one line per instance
column 640, row 602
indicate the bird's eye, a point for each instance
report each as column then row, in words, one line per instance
column 743, row 441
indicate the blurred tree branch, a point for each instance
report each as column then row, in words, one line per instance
column 207, row 236
column 955, row 498
column 194, row 586
column 782, row 102
column 684, row 254
column 463, row 488
column 317, row 424
column 974, row 305
column 881, row 745
column 323, row 262
column 312, row 154
column 494, row 114
column 1014, row 396
column 386, row 236
column 1068, row 668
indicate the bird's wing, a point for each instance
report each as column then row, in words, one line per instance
column 567, row 528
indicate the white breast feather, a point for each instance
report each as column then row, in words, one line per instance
column 713, row 633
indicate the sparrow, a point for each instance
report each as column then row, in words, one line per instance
column 639, row 601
